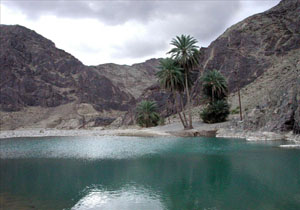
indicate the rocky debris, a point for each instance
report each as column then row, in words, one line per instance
column 194, row 133
column 250, row 136
column 278, row 110
column 103, row 121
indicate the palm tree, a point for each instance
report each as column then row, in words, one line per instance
column 216, row 89
column 147, row 115
column 170, row 78
column 186, row 53
column 214, row 85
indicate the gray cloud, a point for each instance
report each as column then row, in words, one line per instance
column 119, row 12
column 163, row 20
column 139, row 48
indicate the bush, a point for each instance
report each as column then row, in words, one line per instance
column 215, row 112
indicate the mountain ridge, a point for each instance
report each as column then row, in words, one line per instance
column 259, row 56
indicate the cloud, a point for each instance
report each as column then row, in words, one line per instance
column 137, row 29
column 139, row 48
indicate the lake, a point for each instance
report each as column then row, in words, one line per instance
column 116, row 173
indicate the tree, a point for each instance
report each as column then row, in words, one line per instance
column 215, row 112
column 186, row 53
column 147, row 115
column 171, row 78
column 214, row 85
column 216, row 89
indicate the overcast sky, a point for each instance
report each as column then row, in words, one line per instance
column 127, row 32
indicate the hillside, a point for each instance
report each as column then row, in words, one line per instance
column 38, row 81
column 261, row 56
column 42, row 86
column 132, row 79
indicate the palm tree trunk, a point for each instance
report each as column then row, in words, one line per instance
column 182, row 109
column 176, row 107
column 190, row 126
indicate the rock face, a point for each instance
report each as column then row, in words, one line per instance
column 33, row 72
column 261, row 56
column 38, row 80
column 247, row 49
column 133, row 79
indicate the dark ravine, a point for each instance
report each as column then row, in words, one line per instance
column 259, row 55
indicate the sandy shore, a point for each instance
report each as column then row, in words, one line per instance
column 173, row 129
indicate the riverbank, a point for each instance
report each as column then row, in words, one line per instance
column 258, row 135
column 173, row 129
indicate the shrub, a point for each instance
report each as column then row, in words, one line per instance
column 215, row 112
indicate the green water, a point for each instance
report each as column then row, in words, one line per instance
column 147, row 173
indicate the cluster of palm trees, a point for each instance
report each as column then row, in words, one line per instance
column 174, row 74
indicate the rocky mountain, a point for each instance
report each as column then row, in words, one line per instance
column 133, row 79
column 41, row 85
column 261, row 55
column 34, row 74
column 247, row 49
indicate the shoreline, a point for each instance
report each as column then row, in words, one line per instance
column 170, row 130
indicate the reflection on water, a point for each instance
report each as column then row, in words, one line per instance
column 147, row 173
column 128, row 197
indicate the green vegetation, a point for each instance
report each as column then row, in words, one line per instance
column 171, row 79
column 147, row 115
column 215, row 112
column 185, row 53
column 214, row 85
column 215, row 88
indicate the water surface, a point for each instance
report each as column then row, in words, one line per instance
column 81, row 173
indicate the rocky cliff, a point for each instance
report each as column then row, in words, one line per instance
column 34, row 74
column 261, row 55
column 133, row 79
column 42, row 85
